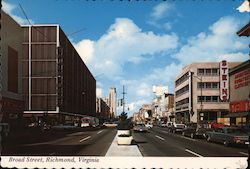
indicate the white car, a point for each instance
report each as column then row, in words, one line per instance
column 149, row 125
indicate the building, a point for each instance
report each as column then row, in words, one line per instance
column 202, row 92
column 102, row 109
column 144, row 115
column 159, row 90
column 112, row 102
column 56, row 82
column 12, row 105
column 167, row 107
column 240, row 89
column 240, row 94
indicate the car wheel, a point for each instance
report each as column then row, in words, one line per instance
column 208, row 138
column 192, row 135
column 225, row 143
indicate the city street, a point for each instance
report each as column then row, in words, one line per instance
column 85, row 143
column 159, row 142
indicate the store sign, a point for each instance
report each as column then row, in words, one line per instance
column 242, row 79
column 240, row 106
column 224, row 81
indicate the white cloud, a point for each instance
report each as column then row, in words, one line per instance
column 221, row 41
column 99, row 92
column 9, row 8
column 124, row 42
column 160, row 10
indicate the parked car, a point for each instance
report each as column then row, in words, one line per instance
column 140, row 128
column 195, row 130
column 228, row 135
column 176, row 128
column 163, row 124
column 149, row 125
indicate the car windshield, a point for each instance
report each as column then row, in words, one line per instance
column 236, row 131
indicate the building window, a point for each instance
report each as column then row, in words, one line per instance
column 208, row 72
column 182, row 79
column 12, row 70
column 182, row 90
column 215, row 71
column 208, row 98
column 208, row 85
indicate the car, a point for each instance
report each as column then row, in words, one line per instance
column 176, row 128
column 195, row 130
column 140, row 128
column 149, row 125
column 110, row 124
column 228, row 136
column 66, row 126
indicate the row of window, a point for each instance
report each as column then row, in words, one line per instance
column 181, row 102
column 209, row 72
column 208, row 85
column 182, row 90
column 182, row 79
column 208, row 99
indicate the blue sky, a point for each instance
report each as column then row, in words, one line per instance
column 139, row 44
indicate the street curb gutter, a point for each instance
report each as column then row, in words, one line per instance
column 120, row 150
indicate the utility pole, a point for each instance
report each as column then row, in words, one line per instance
column 123, row 99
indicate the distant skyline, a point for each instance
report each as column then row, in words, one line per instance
column 142, row 43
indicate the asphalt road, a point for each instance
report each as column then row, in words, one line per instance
column 159, row 142
column 85, row 143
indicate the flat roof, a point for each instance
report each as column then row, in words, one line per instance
column 245, row 31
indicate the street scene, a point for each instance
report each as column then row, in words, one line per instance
column 167, row 82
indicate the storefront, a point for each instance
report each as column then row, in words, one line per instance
column 239, row 94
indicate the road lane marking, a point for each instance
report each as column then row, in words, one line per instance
column 187, row 150
column 243, row 153
column 99, row 132
column 188, row 138
column 159, row 137
column 86, row 138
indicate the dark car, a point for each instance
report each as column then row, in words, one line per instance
column 176, row 128
column 195, row 130
column 228, row 135
column 140, row 128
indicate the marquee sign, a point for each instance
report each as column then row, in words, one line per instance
column 224, row 81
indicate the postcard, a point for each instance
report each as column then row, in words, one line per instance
column 125, row 84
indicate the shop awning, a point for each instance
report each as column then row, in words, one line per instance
column 240, row 114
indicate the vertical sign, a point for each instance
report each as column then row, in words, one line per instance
column 224, row 81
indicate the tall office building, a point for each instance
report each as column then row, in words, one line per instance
column 56, row 82
column 112, row 101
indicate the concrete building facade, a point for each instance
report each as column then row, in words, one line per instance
column 113, row 102
column 240, row 94
column 11, row 70
column 200, row 95
column 56, row 82
column 102, row 109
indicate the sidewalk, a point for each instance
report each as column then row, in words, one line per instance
column 123, row 150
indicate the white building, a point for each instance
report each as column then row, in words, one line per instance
column 112, row 102
column 200, row 94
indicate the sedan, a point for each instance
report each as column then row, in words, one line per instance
column 228, row 135
column 140, row 128
column 194, row 131
column 176, row 128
